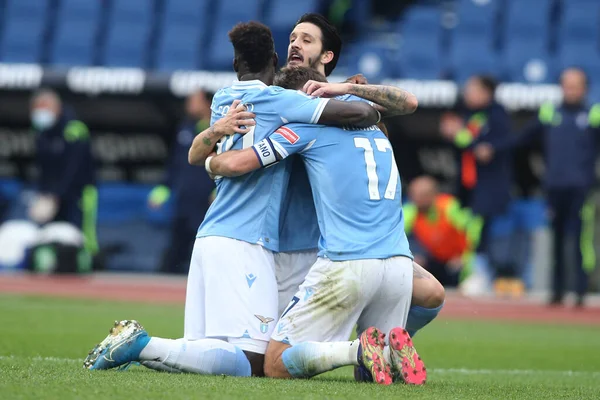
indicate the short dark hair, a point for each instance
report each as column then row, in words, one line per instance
column 294, row 77
column 329, row 36
column 253, row 45
column 488, row 82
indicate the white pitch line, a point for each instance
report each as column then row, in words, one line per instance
column 462, row 371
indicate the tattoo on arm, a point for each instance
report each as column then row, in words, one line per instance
column 207, row 140
column 392, row 100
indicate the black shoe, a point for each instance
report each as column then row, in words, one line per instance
column 580, row 303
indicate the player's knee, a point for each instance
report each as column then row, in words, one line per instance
column 429, row 294
column 437, row 295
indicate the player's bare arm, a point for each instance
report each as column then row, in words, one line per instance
column 389, row 100
column 342, row 113
column 233, row 163
column 237, row 120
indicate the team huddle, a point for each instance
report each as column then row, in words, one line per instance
column 305, row 239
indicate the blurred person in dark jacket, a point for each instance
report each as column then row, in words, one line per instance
column 569, row 133
column 484, row 182
column 190, row 187
column 66, row 168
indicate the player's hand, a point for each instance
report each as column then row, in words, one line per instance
column 324, row 89
column 450, row 125
column 43, row 209
column 237, row 120
column 358, row 79
column 455, row 264
column 484, row 153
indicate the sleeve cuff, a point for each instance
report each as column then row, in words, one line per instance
column 318, row 111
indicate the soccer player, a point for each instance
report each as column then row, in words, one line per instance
column 364, row 271
column 315, row 43
column 231, row 301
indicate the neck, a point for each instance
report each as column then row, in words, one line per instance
column 265, row 77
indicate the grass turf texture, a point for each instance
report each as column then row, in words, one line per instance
column 43, row 342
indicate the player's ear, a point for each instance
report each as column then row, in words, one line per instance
column 275, row 60
column 327, row 57
column 235, row 65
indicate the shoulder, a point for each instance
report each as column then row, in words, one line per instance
column 285, row 93
column 546, row 113
column 594, row 115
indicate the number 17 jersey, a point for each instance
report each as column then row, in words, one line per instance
column 356, row 189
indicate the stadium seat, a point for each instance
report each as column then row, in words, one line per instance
column 580, row 21
column 228, row 13
column 372, row 58
column 182, row 37
column 77, row 9
column 472, row 55
column 22, row 38
column 128, row 35
column 179, row 48
column 127, row 45
column 528, row 18
column 76, row 33
column 477, row 17
column 74, row 43
column 185, row 12
column 22, row 41
column 136, row 11
column 420, row 49
column 26, row 9
column 528, row 60
column 420, row 58
column 283, row 14
column 581, row 54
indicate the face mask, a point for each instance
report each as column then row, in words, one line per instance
column 42, row 119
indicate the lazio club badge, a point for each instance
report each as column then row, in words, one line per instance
column 264, row 323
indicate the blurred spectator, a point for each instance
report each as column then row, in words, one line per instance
column 437, row 229
column 569, row 133
column 66, row 172
column 485, row 182
column 190, row 187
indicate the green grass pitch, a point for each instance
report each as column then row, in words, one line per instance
column 43, row 342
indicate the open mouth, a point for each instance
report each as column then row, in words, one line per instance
column 295, row 58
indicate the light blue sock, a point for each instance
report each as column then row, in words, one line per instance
column 203, row 356
column 308, row 359
column 418, row 317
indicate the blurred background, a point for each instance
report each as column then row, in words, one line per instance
column 100, row 100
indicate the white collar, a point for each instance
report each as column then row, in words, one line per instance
column 245, row 84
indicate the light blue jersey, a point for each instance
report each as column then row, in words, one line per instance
column 299, row 229
column 248, row 208
column 298, row 226
column 356, row 189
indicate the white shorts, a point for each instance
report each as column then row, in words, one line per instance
column 337, row 295
column 290, row 269
column 231, row 293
